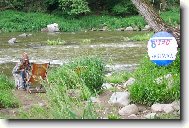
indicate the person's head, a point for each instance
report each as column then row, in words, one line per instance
column 25, row 58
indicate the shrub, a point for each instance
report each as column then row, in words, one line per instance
column 146, row 91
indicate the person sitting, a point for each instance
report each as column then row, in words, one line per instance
column 21, row 71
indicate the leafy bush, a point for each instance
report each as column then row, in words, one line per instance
column 146, row 91
column 124, row 8
column 74, row 7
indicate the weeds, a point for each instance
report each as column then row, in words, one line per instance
column 146, row 91
column 7, row 100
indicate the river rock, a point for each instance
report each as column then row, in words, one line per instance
column 119, row 99
column 130, row 81
column 129, row 28
column 150, row 116
column 23, row 35
column 146, row 28
column 53, row 27
column 94, row 100
column 44, row 30
column 128, row 110
column 167, row 108
column 12, row 41
column 106, row 86
column 120, row 29
column 176, row 105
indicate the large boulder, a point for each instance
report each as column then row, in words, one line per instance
column 53, row 27
column 128, row 110
column 120, row 99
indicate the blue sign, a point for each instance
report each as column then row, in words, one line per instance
column 162, row 48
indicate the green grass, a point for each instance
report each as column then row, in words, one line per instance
column 118, row 77
column 83, row 76
column 142, row 37
column 146, row 91
column 12, row 21
column 7, row 100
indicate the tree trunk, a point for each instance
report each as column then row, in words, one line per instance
column 154, row 20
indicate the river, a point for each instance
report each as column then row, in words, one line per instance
column 112, row 46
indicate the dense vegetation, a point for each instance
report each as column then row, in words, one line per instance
column 80, row 7
column 7, row 100
column 146, row 89
column 23, row 22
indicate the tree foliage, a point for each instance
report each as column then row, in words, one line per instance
column 80, row 7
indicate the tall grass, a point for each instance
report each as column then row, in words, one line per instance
column 12, row 21
column 7, row 100
column 146, row 91
column 70, row 87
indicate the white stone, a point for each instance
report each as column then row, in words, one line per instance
column 129, row 28
column 119, row 99
column 147, row 28
column 132, row 115
column 168, row 108
column 130, row 81
column 128, row 110
column 53, row 27
column 12, row 41
column 157, row 107
column 150, row 115
column 94, row 100
column 23, row 35
column 176, row 105
column 106, row 86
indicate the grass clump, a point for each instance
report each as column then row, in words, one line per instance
column 146, row 91
column 118, row 77
column 7, row 100
column 142, row 37
column 56, row 42
column 71, row 85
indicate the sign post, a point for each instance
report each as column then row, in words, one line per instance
column 162, row 48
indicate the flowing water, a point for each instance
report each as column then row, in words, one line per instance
column 113, row 47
